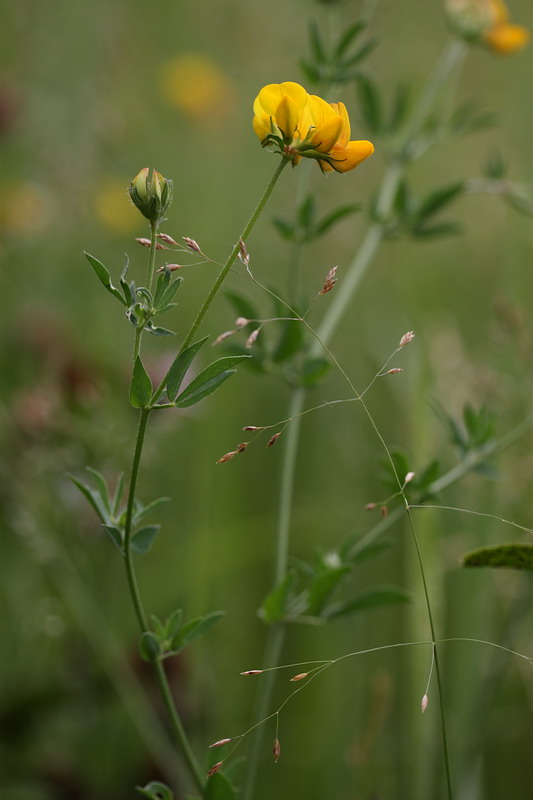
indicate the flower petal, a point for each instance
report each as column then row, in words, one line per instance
column 327, row 134
column 288, row 115
column 506, row 39
column 349, row 157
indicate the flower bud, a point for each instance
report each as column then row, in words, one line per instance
column 151, row 193
column 470, row 18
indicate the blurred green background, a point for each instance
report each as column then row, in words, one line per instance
column 89, row 94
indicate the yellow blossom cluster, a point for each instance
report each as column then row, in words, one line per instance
column 487, row 22
column 301, row 125
column 503, row 36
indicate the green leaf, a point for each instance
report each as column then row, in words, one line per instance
column 362, row 550
column 142, row 540
column 163, row 281
column 512, row 556
column 368, row 598
column 118, row 494
column 179, row 367
column 149, row 647
column 307, row 212
column 349, row 36
column 141, row 386
column 101, row 486
column 317, row 47
column 370, row 103
column 439, row 199
column 284, row 228
column 142, row 511
column 193, row 629
column 311, row 72
column 173, row 624
column 127, row 288
column 219, row 788
column 158, row 331
column 208, row 380
column 343, row 211
column 322, row 587
column 93, row 497
column 115, row 534
column 158, row 627
column 155, row 791
column 274, row 606
column 356, row 58
column 104, row 276
column 400, row 107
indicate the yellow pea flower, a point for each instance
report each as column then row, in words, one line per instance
column 299, row 125
column 487, row 22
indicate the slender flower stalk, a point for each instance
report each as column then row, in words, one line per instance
column 178, row 730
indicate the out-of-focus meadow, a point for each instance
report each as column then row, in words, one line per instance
column 89, row 94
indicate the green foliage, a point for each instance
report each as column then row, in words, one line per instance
column 172, row 636
column 104, row 277
column 179, row 368
column 512, row 556
column 339, row 62
column 415, row 217
column 142, row 540
column 219, row 788
column 208, row 380
column 141, row 386
column 276, row 604
column 306, row 227
column 149, row 646
column 113, row 516
column 473, row 433
column 305, row 594
column 372, row 597
column 155, row 791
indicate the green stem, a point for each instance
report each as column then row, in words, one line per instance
column 176, row 724
column 154, row 226
column 178, row 729
column 450, row 58
column 128, row 561
column 226, row 268
column 233, row 255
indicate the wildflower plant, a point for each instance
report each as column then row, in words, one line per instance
column 289, row 346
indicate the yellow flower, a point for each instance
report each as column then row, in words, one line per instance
column 113, row 208
column 487, row 22
column 197, row 86
column 300, row 125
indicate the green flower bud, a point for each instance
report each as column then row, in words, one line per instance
column 151, row 193
column 470, row 18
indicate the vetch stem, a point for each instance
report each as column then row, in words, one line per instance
column 175, row 721
column 233, row 255
column 227, row 266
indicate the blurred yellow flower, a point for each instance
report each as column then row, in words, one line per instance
column 113, row 207
column 25, row 208
column 487, row 22
column 299, row 125
column 197, row 87
column 504, row 37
